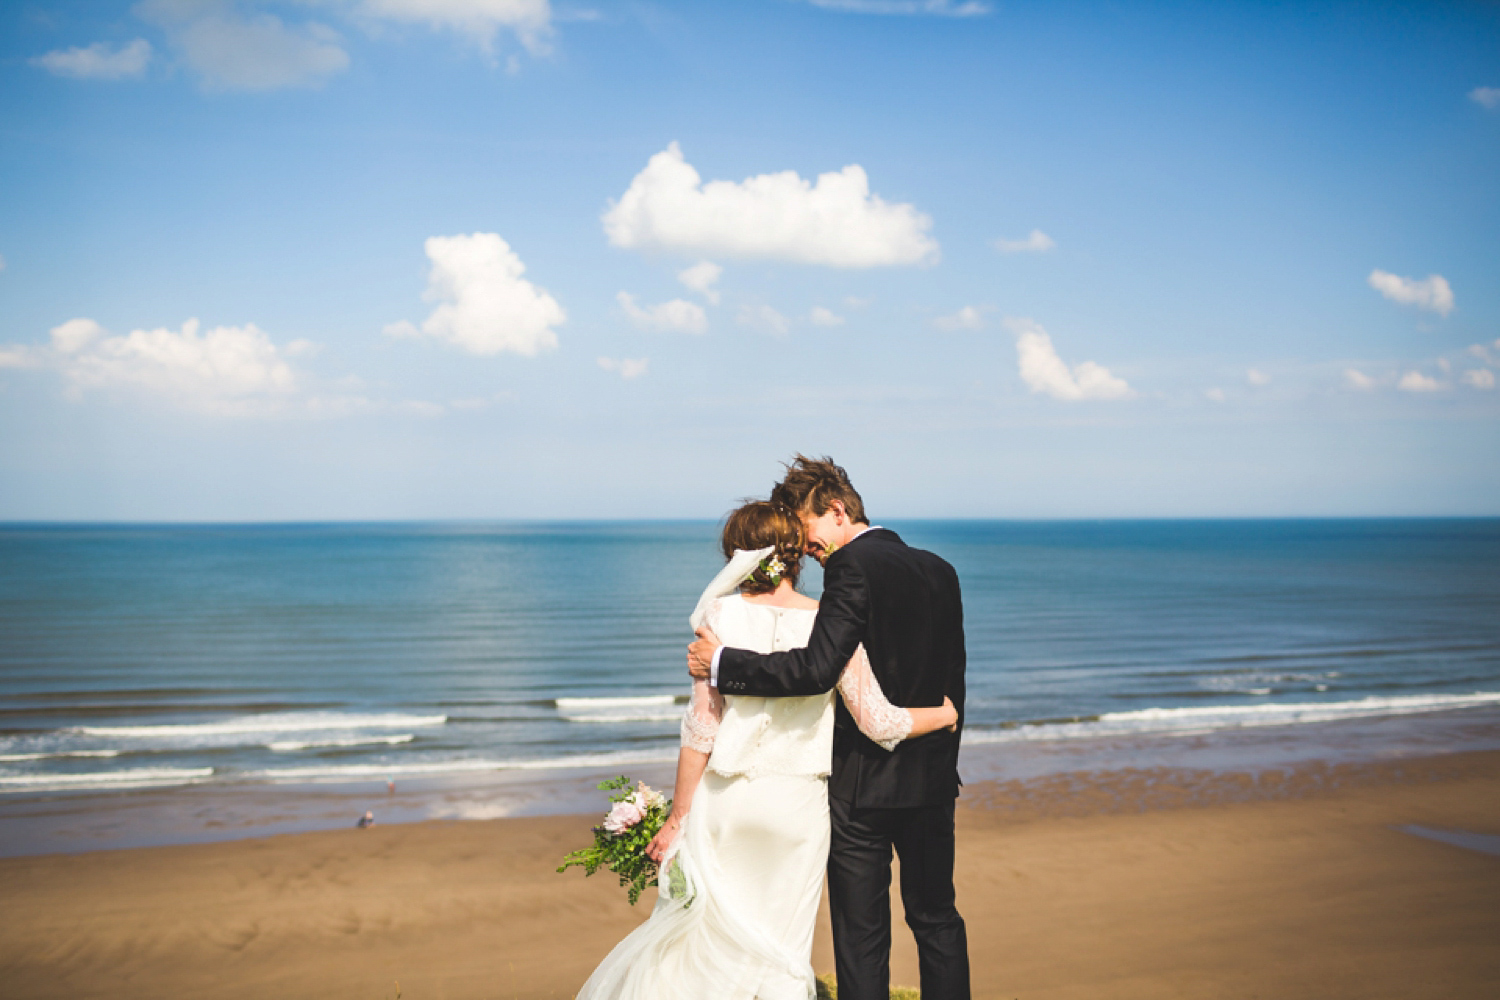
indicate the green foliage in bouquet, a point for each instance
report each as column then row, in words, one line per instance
column 620, row 842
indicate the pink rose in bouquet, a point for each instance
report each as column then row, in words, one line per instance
column 623, row 816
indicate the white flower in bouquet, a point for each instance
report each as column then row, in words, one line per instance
column 647, row 797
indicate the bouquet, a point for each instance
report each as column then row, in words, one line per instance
column 620, row 842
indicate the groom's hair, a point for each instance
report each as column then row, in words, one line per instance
column 812, row 484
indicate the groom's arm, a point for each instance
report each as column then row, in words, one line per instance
column 843, row 614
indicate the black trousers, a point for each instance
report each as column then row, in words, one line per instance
column 859, row 897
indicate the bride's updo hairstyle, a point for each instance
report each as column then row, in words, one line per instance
column 756, row 525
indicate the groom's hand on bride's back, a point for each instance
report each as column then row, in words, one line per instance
column 701, row 653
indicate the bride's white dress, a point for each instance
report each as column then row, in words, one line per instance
column 738, row 898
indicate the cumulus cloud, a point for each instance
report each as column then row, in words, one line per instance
column 479, row 20
column 230, row 51
column 967, row 318
column 701, row 278
column 1431, row 293
column 628, row 368
column 764, row 319
column 1257, row 377
column 1215, row 394
column 825, row 317
column 485, row 306
column 1358, row 379
column 1037, row 242
column 835, row 222
column 1415, row 381
column 1045, row 372
column 100, row 61
column 1486, row 97
column 227, row 369
column 1479, row 378
column 908, row 8
column 677, row 315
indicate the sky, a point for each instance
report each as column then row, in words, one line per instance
column 425, row 259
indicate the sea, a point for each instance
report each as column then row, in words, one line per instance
column 488, row 662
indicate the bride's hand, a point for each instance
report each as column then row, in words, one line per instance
column 665, row 838
column 948, row 704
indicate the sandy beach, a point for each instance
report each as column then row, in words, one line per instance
column 1147, row 883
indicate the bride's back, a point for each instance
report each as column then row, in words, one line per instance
column 770, row 735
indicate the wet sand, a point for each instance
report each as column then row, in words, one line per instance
column 1149, row 883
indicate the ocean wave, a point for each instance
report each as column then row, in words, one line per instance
column 136, row 777
column 289, row 746
column 1214, row 718
column 58, row 753
column 639, row 708
column 355, row 772
column 279, row 722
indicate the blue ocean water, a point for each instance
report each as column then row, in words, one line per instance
column 136, row 657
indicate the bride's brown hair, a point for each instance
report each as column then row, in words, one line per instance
column 756, row 525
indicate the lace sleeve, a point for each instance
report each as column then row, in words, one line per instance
column 876, row 717
column 700, row 723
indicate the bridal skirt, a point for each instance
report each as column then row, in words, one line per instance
column 736, row 902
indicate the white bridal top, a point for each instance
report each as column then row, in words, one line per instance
column 745, row 735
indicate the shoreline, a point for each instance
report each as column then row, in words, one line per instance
column 80, row 822
column 1297, row 882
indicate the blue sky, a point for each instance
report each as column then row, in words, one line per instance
column 503, row 258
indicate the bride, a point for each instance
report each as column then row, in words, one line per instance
column 744, row 848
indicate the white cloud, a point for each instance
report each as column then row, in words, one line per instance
column 259, row 52
column 1430, row 293
column 1415, row 381
column 929, row 8
column 19, row 356
column 480, row 20
column 701, row 278
column 677, row 315
column 1037, row 242
column 485, row 306
column 1480, row 351
column 836, row 222
column 1358, row 379
column 1486, row 97
column 763, row 318
column 967, row 318
column 1044, row 371
column 100, row 61
column 228, row 369
column 855, row 302
column 825, row 317
column 1479, row 378
column 1257, row 377
column 628, row 368
column 1217, row 395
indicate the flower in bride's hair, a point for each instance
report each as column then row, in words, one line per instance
column 774, row 567
column 623, row 816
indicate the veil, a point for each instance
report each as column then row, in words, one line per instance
column 734, row 573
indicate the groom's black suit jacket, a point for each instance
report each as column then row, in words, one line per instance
column 904, row 605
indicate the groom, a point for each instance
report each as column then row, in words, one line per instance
column 903, row 604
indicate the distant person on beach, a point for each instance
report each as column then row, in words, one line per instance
column 368, row 819
column 744, row 850
column 902, row 606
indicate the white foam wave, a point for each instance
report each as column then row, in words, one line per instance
column 289, row 746
column 278, row 722
column 1215, row 718
column 59, row 753
column 357, row 772
column 644, row 708
column 136, row 777
column 640, row 708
